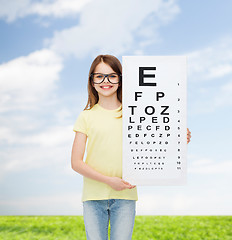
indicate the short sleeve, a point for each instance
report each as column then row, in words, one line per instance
column 80, row 124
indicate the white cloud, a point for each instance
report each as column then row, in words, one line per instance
column 27, row 80
column 114, row 28
column 227, row 87
column 57, row 204
column 38, row 138
column 184, row 203
column 58, row 8
column 224, row 95
column 30, row 138
column 207, row 65
column 26, row 158
column 54, row 136
column 20, row 159
column 209, row 166
column 212, row 62
column 12, row 10
column 219, row 71
column 207, row 99
column 35, row 143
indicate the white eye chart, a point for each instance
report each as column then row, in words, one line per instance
column 154, row 120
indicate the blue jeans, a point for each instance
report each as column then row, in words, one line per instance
column 120, row 212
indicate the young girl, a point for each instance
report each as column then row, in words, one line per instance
column 106, row 196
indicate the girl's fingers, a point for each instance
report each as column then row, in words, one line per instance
column 125, row 182
column 188, row 135
column 128, row 185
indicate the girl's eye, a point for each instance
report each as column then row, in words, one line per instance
column 113, row 76
column 99, row 76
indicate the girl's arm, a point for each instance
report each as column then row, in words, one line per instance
column 84, row 169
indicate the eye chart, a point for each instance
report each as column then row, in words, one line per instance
column 154, row 120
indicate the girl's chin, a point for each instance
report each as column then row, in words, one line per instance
column 107, row 93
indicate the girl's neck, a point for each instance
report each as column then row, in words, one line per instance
column 109, row 103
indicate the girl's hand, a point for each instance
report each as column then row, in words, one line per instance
column 188, row 135
column 119, row 184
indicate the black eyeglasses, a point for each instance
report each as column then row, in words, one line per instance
column 98, row 78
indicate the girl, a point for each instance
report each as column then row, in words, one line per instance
column 106, row 196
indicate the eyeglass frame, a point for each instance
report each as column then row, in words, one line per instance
column 106, row 75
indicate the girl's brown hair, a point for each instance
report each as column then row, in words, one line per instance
column 115, row 64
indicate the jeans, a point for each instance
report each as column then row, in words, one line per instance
column 120, row 212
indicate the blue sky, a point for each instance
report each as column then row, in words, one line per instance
column 46, row 48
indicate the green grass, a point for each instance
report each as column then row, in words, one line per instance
column 146, row 227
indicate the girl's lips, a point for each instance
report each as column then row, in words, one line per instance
column 106, row 87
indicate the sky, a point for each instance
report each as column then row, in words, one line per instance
column 46, row 49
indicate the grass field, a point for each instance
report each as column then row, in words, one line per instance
column 146, row 227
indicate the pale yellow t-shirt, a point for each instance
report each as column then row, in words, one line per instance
column 104, row 152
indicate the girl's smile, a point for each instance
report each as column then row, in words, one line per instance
column 106, row 87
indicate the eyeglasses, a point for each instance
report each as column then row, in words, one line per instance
column 100, row 77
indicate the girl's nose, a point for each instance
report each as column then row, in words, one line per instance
column 106, row 79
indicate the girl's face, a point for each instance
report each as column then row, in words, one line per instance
column 105, row 88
